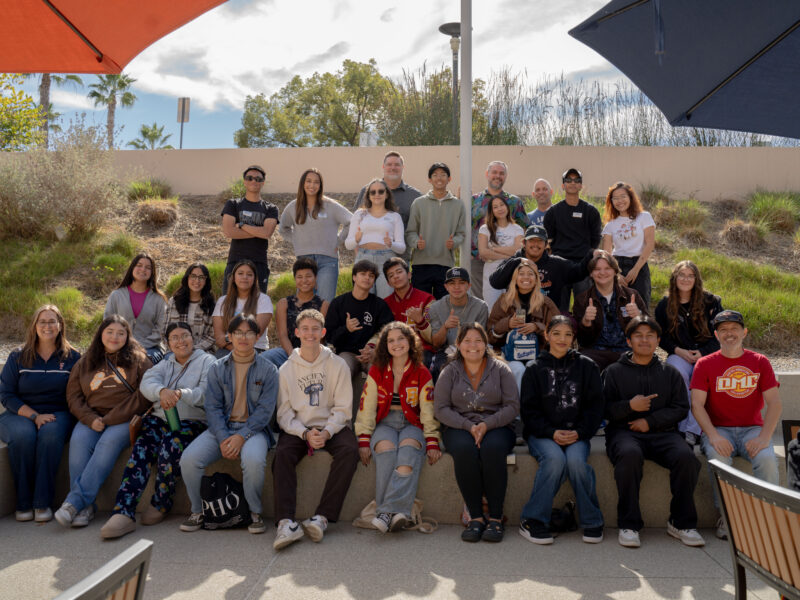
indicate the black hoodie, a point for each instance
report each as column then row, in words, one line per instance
column 625, row 379
column 561, row 393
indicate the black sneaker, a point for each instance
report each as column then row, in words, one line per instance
column 493, row 532
column 535, row 531
column 474, row 531
column 593, row 535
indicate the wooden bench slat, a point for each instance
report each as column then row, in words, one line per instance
column 744, row 537
column 760, row 553
column 788, row 544
column 771, row 535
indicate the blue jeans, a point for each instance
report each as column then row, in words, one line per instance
column 204, row 450
column 685, row 369
column 765, row 465
column 34, row 456
column 377, row 257
column 277, row 356
column 327, row 274
column 395, row 493
column 556, row 463
column 91, row 458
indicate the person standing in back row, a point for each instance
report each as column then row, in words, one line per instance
column 249, row 222
column 573, row 225
column 402, row 193
column 436, row 227
column 496, row 174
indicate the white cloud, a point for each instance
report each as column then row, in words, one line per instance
column 70, row 100
column 256, row 46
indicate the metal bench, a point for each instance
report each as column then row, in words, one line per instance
column 763, row 522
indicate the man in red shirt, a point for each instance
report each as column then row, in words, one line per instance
column 729, row 390
column 409, row 305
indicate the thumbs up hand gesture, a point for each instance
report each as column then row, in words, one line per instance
column 452, row 321
column 449, row 243
column 590, row 314
column 359, row 234
column 420, row 243
column 632, row 308
column 387, row 239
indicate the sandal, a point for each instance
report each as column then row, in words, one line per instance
column 474, row 531
column 493, row 532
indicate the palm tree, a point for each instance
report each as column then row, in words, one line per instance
column 151, row 138
column 109, row 91
column 47, row 79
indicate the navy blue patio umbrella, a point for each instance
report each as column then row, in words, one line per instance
column 723, row 64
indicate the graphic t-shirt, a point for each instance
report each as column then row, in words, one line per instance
column 735, row 387
column 627, row 235
column 264, row 306
column 249, row 213
column 537, row 216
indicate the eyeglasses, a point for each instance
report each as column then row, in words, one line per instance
column 685, row 277
column 573, row 180
column 179, row 338
column 47, row 323
column 197, row 277
column 254, row 178
column 380, row 192
column 239, row 334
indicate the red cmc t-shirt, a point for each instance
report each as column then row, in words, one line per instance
column 735, row 387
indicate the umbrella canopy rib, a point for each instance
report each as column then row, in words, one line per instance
column 75, row 30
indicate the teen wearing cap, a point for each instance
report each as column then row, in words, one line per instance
column 729, row 390
column 573, row 225
column 437, row 225
column 249, row 222
column 630, row 236
column 447, row 314
column 555, row 273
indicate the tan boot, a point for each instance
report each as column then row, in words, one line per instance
column 152, row 515
column 117, row 526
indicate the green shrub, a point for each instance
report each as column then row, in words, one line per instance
column 123, row 244
column 282, row 286
column 70, row 190
column 796, row 238
column 158, row 211
column 779, row 211
column 235, row 189
column 148, row 188
column 345, row 281
column 681, row 215
column 743, row 234
column 652, row 193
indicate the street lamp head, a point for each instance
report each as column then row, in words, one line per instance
column 451, row 29
column 454, row 43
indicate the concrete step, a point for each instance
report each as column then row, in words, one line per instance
column 437, row 487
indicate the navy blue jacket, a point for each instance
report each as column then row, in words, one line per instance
column 42, row 386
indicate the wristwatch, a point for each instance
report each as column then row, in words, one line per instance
column 239, row 225
column 34, row 416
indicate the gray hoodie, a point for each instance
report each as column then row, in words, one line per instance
column 192, row 384
column 318, row 394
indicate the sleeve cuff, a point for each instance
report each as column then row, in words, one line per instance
column 363, row 441
column 431, row 443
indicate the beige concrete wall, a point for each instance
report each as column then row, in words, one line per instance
column 706, row 173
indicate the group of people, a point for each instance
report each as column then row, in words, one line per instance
column 454, row 360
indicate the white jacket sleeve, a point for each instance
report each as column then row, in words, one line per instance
column 399, row 236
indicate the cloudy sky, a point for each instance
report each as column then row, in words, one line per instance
column 252, row 46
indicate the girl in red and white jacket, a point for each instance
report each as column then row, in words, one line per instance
column 395, row 422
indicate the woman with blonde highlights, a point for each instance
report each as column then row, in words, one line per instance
column 37, row 421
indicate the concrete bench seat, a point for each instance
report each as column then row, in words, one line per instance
column 437, row 487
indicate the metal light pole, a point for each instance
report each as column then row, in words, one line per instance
column 454, row 31
column 465, row 146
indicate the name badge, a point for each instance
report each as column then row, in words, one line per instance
column 577, row 215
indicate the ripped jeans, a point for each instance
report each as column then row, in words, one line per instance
column 394, row 492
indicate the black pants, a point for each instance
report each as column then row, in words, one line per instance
column 642, row 283
column 481, row 471
column 627, row 451
column 262, row 276
column 290, row 450
column 429, row 278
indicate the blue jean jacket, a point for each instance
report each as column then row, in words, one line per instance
column 262, row 395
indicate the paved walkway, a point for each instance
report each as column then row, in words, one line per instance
column 37, row 561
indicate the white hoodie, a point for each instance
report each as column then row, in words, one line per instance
column 314, row 395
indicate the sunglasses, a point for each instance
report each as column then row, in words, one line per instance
column 380, row 192
column 254, row 178
column 573, row 180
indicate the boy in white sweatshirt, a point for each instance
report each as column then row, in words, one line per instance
column 315, row 405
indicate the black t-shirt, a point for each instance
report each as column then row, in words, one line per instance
column 574, row 229
column 372, row 313
column 249, row 213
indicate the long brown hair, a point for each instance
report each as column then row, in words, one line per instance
column 301, row 203
column 130, row 355
column 491, row 220
column 382, row 357
column 511, row 296
column 697, row 301
column 250, row 304
column 28, row 351
column 462, row 333
column 634, row 209
column 152, row 283
column 389, row 203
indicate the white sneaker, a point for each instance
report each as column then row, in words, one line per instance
column 399, row 521
column 315, row 527
column 24, row 515
column 629, row 538
column 66, row 514
column 42, row 515
column 722, row 531
column 690, row 537
column 84, row 516
column 289, row 531
column 382, row 522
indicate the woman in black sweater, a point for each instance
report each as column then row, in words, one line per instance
column 561, row 409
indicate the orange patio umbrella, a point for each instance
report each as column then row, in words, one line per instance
column 86, row 36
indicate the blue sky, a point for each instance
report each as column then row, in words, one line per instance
column 252, row 46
